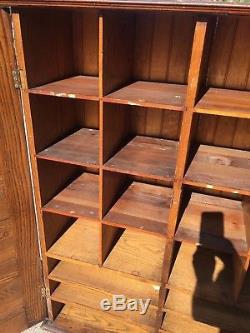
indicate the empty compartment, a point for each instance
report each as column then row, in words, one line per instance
column 72, row 240
column 141, row 254
column 66, row 130
column 68, row 190
column 227, row 85
column 216, row 223
column 143, row 142
column 61, row 52
column 146, row 69
column 133, row 204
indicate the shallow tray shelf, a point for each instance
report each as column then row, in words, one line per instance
column 151, row 94
column 80, row 87
column 79, row 148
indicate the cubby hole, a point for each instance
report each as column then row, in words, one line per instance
column 131, row 203
column 68, row 190
column 146, row 58
column 66, row 130
column 71, row 240
column 141, row 141
column 61, row 52
column 220, row 156
column 226, row 89
column 141, row 254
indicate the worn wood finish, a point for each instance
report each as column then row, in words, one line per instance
column 79, row 199
column 220, row 168
column 215, row 223
column 20, row 264
column 142, row 206
column 80, row 148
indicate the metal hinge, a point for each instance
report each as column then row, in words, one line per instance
column 17, row 78
column 45, row 292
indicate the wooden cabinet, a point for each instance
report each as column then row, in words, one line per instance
column 137, row 121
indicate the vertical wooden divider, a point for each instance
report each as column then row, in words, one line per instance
column 194, row 76
column 32, row 151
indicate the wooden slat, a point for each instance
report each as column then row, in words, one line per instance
column 150, row 94
column 80, row 148
column 215, row 223
column 142, row 206
column 225, row 102
column 82, row 87
column 209, row 313
column 79, row 319
column 208, row 274
column 105, row 279
column 79, row 199
column 141, row 255
column 86, row 296
column 220, row 168
column 79, row 243
column 146, row 157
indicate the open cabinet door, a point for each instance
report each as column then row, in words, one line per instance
column 21, row 281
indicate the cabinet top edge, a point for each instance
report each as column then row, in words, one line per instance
column 200, row 6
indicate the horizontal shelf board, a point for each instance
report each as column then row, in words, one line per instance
column 142, row 206
column 101, row 278
column 141, row 255
column 146, row 157
column 87, row 296
column 79, row 319
column 79, row 148
column 212, row 314
column 80, row 242
column 214, row 222
column 175, row 322
column 223, row 169
column 151, row 94
column 79, row 199
column 80, row 87
column 225, row 102
column 197, row 262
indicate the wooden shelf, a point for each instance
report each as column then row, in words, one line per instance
column 214, row 222
column 225, row 102
column 79, row 148
column 141, row 255
column 201, row 267
column 219, row 168
column 151, row 94
column 80, row 243
column 86, row 296
column 146, row 157
column 200, row 314
column 79, row 199
column 142, row 206
column 101, row 278
column 81, row 87
column 79, row 319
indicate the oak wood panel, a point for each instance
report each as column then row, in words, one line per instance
column 141, row 255
column 142, row 206
column 225, row 102
column 150, row 94
column 221, row 168
column 105, row 279
column 80, row 148
column 214, row 222
column 82, row 87
column 91, row 297
column 79, row 199
column 15, row 172
column 78, row 318
column 78, row 243
column 146, row 157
